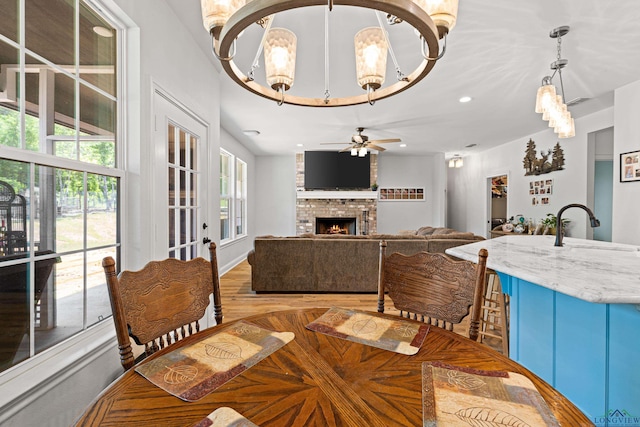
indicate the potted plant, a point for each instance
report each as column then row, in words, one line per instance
column 374, row 186
column 550, row 223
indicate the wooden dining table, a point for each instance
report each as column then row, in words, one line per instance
column 314, row 380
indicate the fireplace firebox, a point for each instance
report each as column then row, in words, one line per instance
column 336, row 225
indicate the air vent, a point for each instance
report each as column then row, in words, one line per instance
column 577, row 101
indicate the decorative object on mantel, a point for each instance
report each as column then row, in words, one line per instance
column 552, row 106
column 225, row 21
column 404, row 194
column 630, row 166
column 538, row 166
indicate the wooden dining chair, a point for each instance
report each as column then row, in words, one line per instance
column 433, row 288
column 162, row 303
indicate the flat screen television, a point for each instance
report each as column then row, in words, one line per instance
column 332, row 170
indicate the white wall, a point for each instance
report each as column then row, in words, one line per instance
column 468, row 192
column 626, row 195
column 414, row 171
column 188, row 75
column 275, row 196
column 230, row 254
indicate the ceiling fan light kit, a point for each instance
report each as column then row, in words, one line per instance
column 548, row 102
column 360, row 144
column 226, row 19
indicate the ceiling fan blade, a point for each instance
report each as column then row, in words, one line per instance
column 357, row 138
column 344, row 150
column 383, row 141
column 375, row 147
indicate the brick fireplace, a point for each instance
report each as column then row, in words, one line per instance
column 360, row 207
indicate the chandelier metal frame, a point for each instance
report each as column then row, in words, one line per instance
column 223, row 45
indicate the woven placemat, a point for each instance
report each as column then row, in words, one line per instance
column 399, row 335
column 225, row 417
column 192, row 372
column 455, row 396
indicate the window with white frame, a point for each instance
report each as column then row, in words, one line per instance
column 59, row 180
column 233, row 197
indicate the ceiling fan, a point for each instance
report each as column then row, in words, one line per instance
column 359, row 143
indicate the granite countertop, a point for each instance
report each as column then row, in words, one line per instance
column 594, row 271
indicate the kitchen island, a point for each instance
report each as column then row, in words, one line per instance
column 574, row 317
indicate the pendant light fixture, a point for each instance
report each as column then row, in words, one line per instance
column 225, row 20
column 552, row 105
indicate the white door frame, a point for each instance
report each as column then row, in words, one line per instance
column 487, row 192
column 167, row 109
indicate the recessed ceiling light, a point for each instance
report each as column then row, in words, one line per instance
column 102, row 31
column 403, row 145
column 251, row 132
column 299, row 145
column 465, row 99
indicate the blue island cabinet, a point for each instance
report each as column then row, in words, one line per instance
column 588, row 351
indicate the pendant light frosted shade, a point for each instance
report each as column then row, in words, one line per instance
column 354, row 152
column 362, row 152
column 443, row 13
column 553, row 109
column 559, row 115
column 280, row 58
column 371, row 57
column 545, row 98
column 567, row 130
column 215, row 13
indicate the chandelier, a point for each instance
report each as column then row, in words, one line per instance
column 225, row 20
column 548, row 102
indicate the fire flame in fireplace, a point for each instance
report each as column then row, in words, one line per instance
column 336, row 229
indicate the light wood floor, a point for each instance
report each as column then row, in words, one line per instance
column 238, row 300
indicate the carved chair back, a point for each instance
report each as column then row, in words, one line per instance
column 162, row 303
column 433, row 287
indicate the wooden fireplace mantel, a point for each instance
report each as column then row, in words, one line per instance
column 337, row 194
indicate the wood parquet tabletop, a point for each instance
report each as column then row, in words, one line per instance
column 315, row 380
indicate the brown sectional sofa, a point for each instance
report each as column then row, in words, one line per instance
column 335, row 263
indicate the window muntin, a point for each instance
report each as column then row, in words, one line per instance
column 225, row 195
column 240, row 211
column 183, row 172
column 71, row 216
column 233, row 199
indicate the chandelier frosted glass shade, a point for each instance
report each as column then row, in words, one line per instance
column 442, row 12
column 216, row 13
column 371, row 57
column 280, row 58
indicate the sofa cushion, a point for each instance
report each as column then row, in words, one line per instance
column 396, row 237
column 425, row 231
column 442, row 231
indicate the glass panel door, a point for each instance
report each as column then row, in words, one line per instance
column 180, row 171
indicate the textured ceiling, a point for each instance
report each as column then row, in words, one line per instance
column 497, row 54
